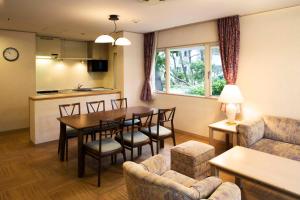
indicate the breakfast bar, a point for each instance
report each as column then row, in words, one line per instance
column 44, row 110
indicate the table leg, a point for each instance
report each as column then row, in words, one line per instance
column 62, row 141
column 234, row 139
column 228, row 140
column 211, row 136
column 238, row 182
column 80, row 154
column 214, row 171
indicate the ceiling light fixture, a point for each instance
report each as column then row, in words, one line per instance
column 121, row 41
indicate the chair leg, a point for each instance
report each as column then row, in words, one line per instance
column 67, row 149
column 157, row 146
column 99, row 172
column 152, row 151
column 131, row 154
column 124, row 155
column 112, row 159
column 86, row 138
column 174, row 139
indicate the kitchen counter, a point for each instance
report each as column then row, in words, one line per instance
column 72, row 93
column 44, row 109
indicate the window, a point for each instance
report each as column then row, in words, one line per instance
column 195, row 70
column 160, row 71
column 217, row 79
column 187, row 71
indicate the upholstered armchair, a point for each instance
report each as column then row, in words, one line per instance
column 152, row 179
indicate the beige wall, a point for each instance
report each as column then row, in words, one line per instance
column 57, row 75
column 269, row 67
column 17, row 80
column 268, row 72
column 134, row 68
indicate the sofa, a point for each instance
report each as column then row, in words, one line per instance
column 275, row 135
column 152, row 179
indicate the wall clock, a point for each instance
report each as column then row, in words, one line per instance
column 11, row 54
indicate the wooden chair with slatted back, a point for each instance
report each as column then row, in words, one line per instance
column 159, row 131
column 135, row 138
column 92, row 107
column 95, row 106
column 106, row 146
column 68, row 110
column 122, row 103
column 119, row 103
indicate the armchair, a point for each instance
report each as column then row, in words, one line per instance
column 152, row 179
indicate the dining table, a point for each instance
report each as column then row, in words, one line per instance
column 89, row 121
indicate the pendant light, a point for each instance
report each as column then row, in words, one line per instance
column 121, row 41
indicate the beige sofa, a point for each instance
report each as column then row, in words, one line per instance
column 275, row 135
column 152, row 179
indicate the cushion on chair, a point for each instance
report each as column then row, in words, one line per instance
column 129, row 122
column 179, row 178
column 207, row 186
column 287, row 150
column 107, row 145
column 138, row 137
column 163, row 131
column 71, row 132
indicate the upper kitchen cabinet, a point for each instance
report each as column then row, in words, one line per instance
column 73, row 49
column 97, row 51
column 47, row 46
column 70, row 49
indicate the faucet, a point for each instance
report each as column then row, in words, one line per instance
column 79, row 86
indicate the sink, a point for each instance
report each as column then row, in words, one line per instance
column 83, row 90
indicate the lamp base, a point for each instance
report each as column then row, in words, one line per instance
column 231, row 110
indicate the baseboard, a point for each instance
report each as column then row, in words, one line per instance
column 201, row 137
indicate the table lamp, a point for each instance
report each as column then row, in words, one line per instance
column 231, row 98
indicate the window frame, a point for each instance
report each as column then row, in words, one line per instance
column 207, row 76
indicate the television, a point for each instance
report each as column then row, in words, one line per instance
column 97, row 65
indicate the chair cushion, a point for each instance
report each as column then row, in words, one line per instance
column 163, row 131
column 287, row 150
column 71, row 132
column 129, row 122
column 107, row 145
column 179, row 178
column 138, row 137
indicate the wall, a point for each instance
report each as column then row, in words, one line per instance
column 268, row 69
column 269, row 62
column 67, row 74
column 17, row 80
column 133, row 68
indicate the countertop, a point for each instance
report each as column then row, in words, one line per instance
column 71, row 93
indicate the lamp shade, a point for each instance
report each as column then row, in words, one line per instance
column 104, row 39
column 231, row 94
column 122, row 42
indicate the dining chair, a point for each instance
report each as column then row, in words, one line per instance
column 159, row 131
column 92, row 107
column 95, row 106
column 106, row 146
column 68, row 110
column 118, row 103
column 122, row 103
column 135, row 138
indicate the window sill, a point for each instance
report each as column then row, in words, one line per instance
column 185, row 95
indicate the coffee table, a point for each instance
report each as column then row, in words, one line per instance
column 278, row 173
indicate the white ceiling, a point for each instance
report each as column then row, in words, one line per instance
column 85, row 19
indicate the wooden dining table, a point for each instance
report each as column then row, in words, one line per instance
column 88, row 121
